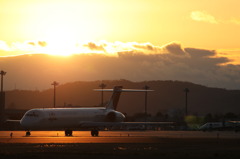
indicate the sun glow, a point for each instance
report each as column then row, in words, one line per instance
column 58, row 47
column 62, row 47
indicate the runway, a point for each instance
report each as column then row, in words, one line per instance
column 110, row 136
column 120, row 144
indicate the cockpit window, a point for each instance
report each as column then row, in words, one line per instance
column 32, row 114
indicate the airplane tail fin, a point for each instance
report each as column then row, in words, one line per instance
column 112, row 104
column 117, row 90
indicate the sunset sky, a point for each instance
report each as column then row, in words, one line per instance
column 213, row 24
column 211, row 28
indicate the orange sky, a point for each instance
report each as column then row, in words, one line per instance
column 204, row 24
column 169, row 39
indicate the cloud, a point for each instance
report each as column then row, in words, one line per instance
column 4, row 46
column 235, row 21
column 42, row 43
column 198, row 53
column 203, row 16
column 175, row 48
column 102, row 47
column 146, row 48
column 94, row 46
column 197, row 65
column 38, row 43
column 32, row 43
column 132, row 61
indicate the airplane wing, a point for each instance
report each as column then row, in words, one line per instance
column 125, row 125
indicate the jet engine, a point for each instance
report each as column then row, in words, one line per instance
column 111, row 116
column 114, row 116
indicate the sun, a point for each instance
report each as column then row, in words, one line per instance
column 60, row 41
column 60, row 48
column 66, row 25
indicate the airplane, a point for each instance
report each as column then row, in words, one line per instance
column 221, row 126
column 69, row 119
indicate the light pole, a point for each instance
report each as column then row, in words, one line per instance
column 186, row 90
column 146, row 88
column 102, row 85
column 2, row 74
column 2, row 98
column 54, row 94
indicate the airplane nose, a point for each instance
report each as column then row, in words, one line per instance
column 25, row 123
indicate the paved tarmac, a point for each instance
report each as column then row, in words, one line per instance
column 111, row 136
column 121, row 144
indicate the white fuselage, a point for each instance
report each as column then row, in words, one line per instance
column 66, row 118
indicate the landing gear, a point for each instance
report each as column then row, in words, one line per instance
column 28, row 133
column 68, row 132
column 94, row 132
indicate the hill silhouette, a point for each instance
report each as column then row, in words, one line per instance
column 168, row 96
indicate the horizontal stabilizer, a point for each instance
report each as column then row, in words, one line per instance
column 12, row 121
column 124, row 90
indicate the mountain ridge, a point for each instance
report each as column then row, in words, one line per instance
column 168, row 96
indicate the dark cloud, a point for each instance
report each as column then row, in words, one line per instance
column 197, row 53
column 93, row 46
column 174, row 48
column 204, row 59
column 42, row 43
column 31, row 43
column 146, row 47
